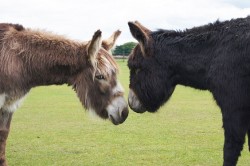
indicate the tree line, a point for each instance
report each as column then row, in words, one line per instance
column 124, row 49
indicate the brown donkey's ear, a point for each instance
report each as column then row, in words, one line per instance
column 94, row 47
column 110, row 42
column 142, row 35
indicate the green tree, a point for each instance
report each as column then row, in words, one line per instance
column 124, row 49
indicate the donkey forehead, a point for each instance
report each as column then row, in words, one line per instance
column 106, row 64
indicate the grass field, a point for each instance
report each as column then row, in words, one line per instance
column 51, row 128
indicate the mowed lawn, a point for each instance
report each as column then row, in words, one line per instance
column 52, row 128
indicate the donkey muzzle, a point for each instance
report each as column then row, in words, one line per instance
column 134, row 103
column 118, row 110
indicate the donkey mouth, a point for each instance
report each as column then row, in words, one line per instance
column 116, row 122
column 123, row 117
column 113, row 120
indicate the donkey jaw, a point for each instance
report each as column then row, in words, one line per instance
column 117, row 110
column 134, row 103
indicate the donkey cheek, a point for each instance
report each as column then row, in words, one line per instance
column 104, row 88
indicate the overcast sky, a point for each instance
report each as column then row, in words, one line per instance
column 79, row 19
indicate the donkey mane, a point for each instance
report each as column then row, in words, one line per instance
column 40, row 41
column 216, row 27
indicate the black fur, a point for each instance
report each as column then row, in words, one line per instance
column 214, row 57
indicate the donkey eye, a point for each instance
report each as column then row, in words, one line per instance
column 100, row 77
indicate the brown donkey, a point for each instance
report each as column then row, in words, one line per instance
column 30, row 58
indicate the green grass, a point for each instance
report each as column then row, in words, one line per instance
column 51, row 128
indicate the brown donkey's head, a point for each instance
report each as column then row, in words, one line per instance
column 97, row 86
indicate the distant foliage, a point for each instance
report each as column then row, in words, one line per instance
column 124, row 49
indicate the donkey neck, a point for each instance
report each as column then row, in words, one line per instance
column 49, row 59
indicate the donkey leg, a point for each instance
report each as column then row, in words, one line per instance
column 5, row 120
column 235, row 132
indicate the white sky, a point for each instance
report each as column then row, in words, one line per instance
column 79, row 19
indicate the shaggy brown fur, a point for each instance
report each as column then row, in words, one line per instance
column 30, row 58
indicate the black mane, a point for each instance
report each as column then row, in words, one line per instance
column 217, row 26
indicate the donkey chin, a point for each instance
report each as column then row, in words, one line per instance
column 134, row 103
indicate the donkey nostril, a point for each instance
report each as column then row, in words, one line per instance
column 124, row 113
